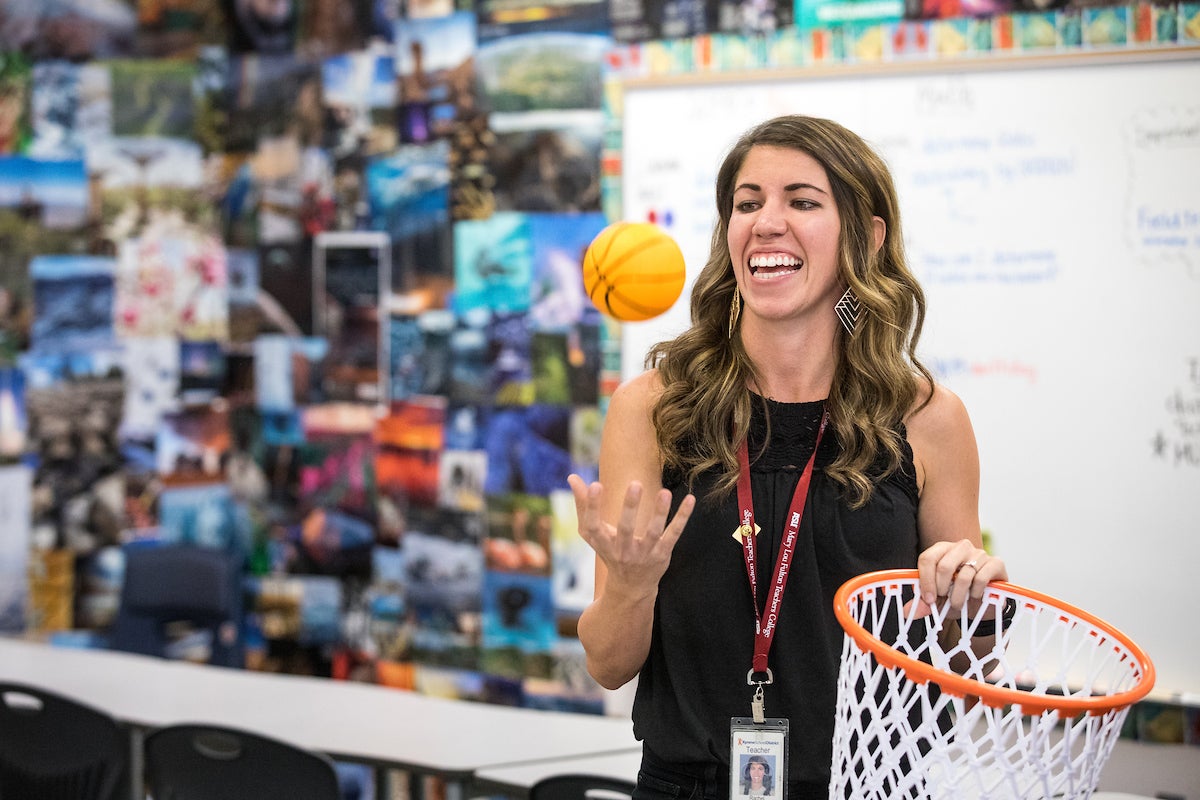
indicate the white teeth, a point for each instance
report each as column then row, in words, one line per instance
column 774, row 261
column 770, row 275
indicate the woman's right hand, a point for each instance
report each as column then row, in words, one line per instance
column 634, row 559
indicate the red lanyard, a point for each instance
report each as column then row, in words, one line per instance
column 764, row 633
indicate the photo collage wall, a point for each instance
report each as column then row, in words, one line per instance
column 302, row 281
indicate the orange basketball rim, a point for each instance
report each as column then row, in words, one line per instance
column 994, row 694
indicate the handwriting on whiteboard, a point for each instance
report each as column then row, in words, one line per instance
column 1178, row 441
column 1162, row 211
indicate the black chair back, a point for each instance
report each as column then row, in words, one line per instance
column 169, row 584
column 55, row 748
column 580, row 787
column 211, row 762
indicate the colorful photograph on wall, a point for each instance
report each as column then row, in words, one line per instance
column 149, row 183
column 266, row 28
column 558, row 299
column 331, row 541
column 444, row 576
column 584, row 361
column 203, row 515
column 551, row 379
column 587, row 423
column 334, row 26
column 337, row 459
column 493, row 263
column 406, row 350
column 202, row 371
column 436, row 327
column 542, row 72
column 73, row 302
column 153, row 97
column 287, row 372
column 469, row 371
column 519, row 530
column 528, row 450
column 179, row 28
column 409, row 441
column 268, row 96
column 472, row 185
column 409, row 196
column 73, row 404
column 461, row 477
column 52, row 194
column 26, row 239
column 466, row 426
column 170, row 284
column 510, row 18
column 54, row 106
column 245, row 316
column 77, row 30
column 547, row 162
column 359, row 93
column 191, row 444
column 510, row 364
column 293, row 189
column 151, row 369
column 15, row 90
column 435, row 71
column 518, row 613
column 387, row 610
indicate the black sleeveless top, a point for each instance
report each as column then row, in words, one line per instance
column 694, row 679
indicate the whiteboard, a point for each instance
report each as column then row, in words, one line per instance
column 1052, row 214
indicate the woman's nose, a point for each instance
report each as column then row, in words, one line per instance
column 768, row 222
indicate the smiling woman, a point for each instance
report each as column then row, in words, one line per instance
column 821, row 448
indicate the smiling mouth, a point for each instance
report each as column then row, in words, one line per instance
column 774, row 266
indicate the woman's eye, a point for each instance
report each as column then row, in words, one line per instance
column 804, row 204
column 746, row 206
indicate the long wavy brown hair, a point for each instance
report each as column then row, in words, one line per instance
column 703, row 413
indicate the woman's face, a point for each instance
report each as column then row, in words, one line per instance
column 783, row 235
column 757, row 771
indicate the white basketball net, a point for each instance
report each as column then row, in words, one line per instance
column 904, row 734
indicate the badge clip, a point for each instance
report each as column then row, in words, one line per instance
column 757, row 704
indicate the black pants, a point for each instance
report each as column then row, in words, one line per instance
column 658, row 779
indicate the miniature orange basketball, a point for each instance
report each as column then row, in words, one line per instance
column 633, row 271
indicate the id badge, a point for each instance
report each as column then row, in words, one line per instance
column 758, row 758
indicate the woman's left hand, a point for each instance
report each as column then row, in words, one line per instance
column 957, row 571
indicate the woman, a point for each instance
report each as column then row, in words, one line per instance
column 756, row 777
column 808, row 226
